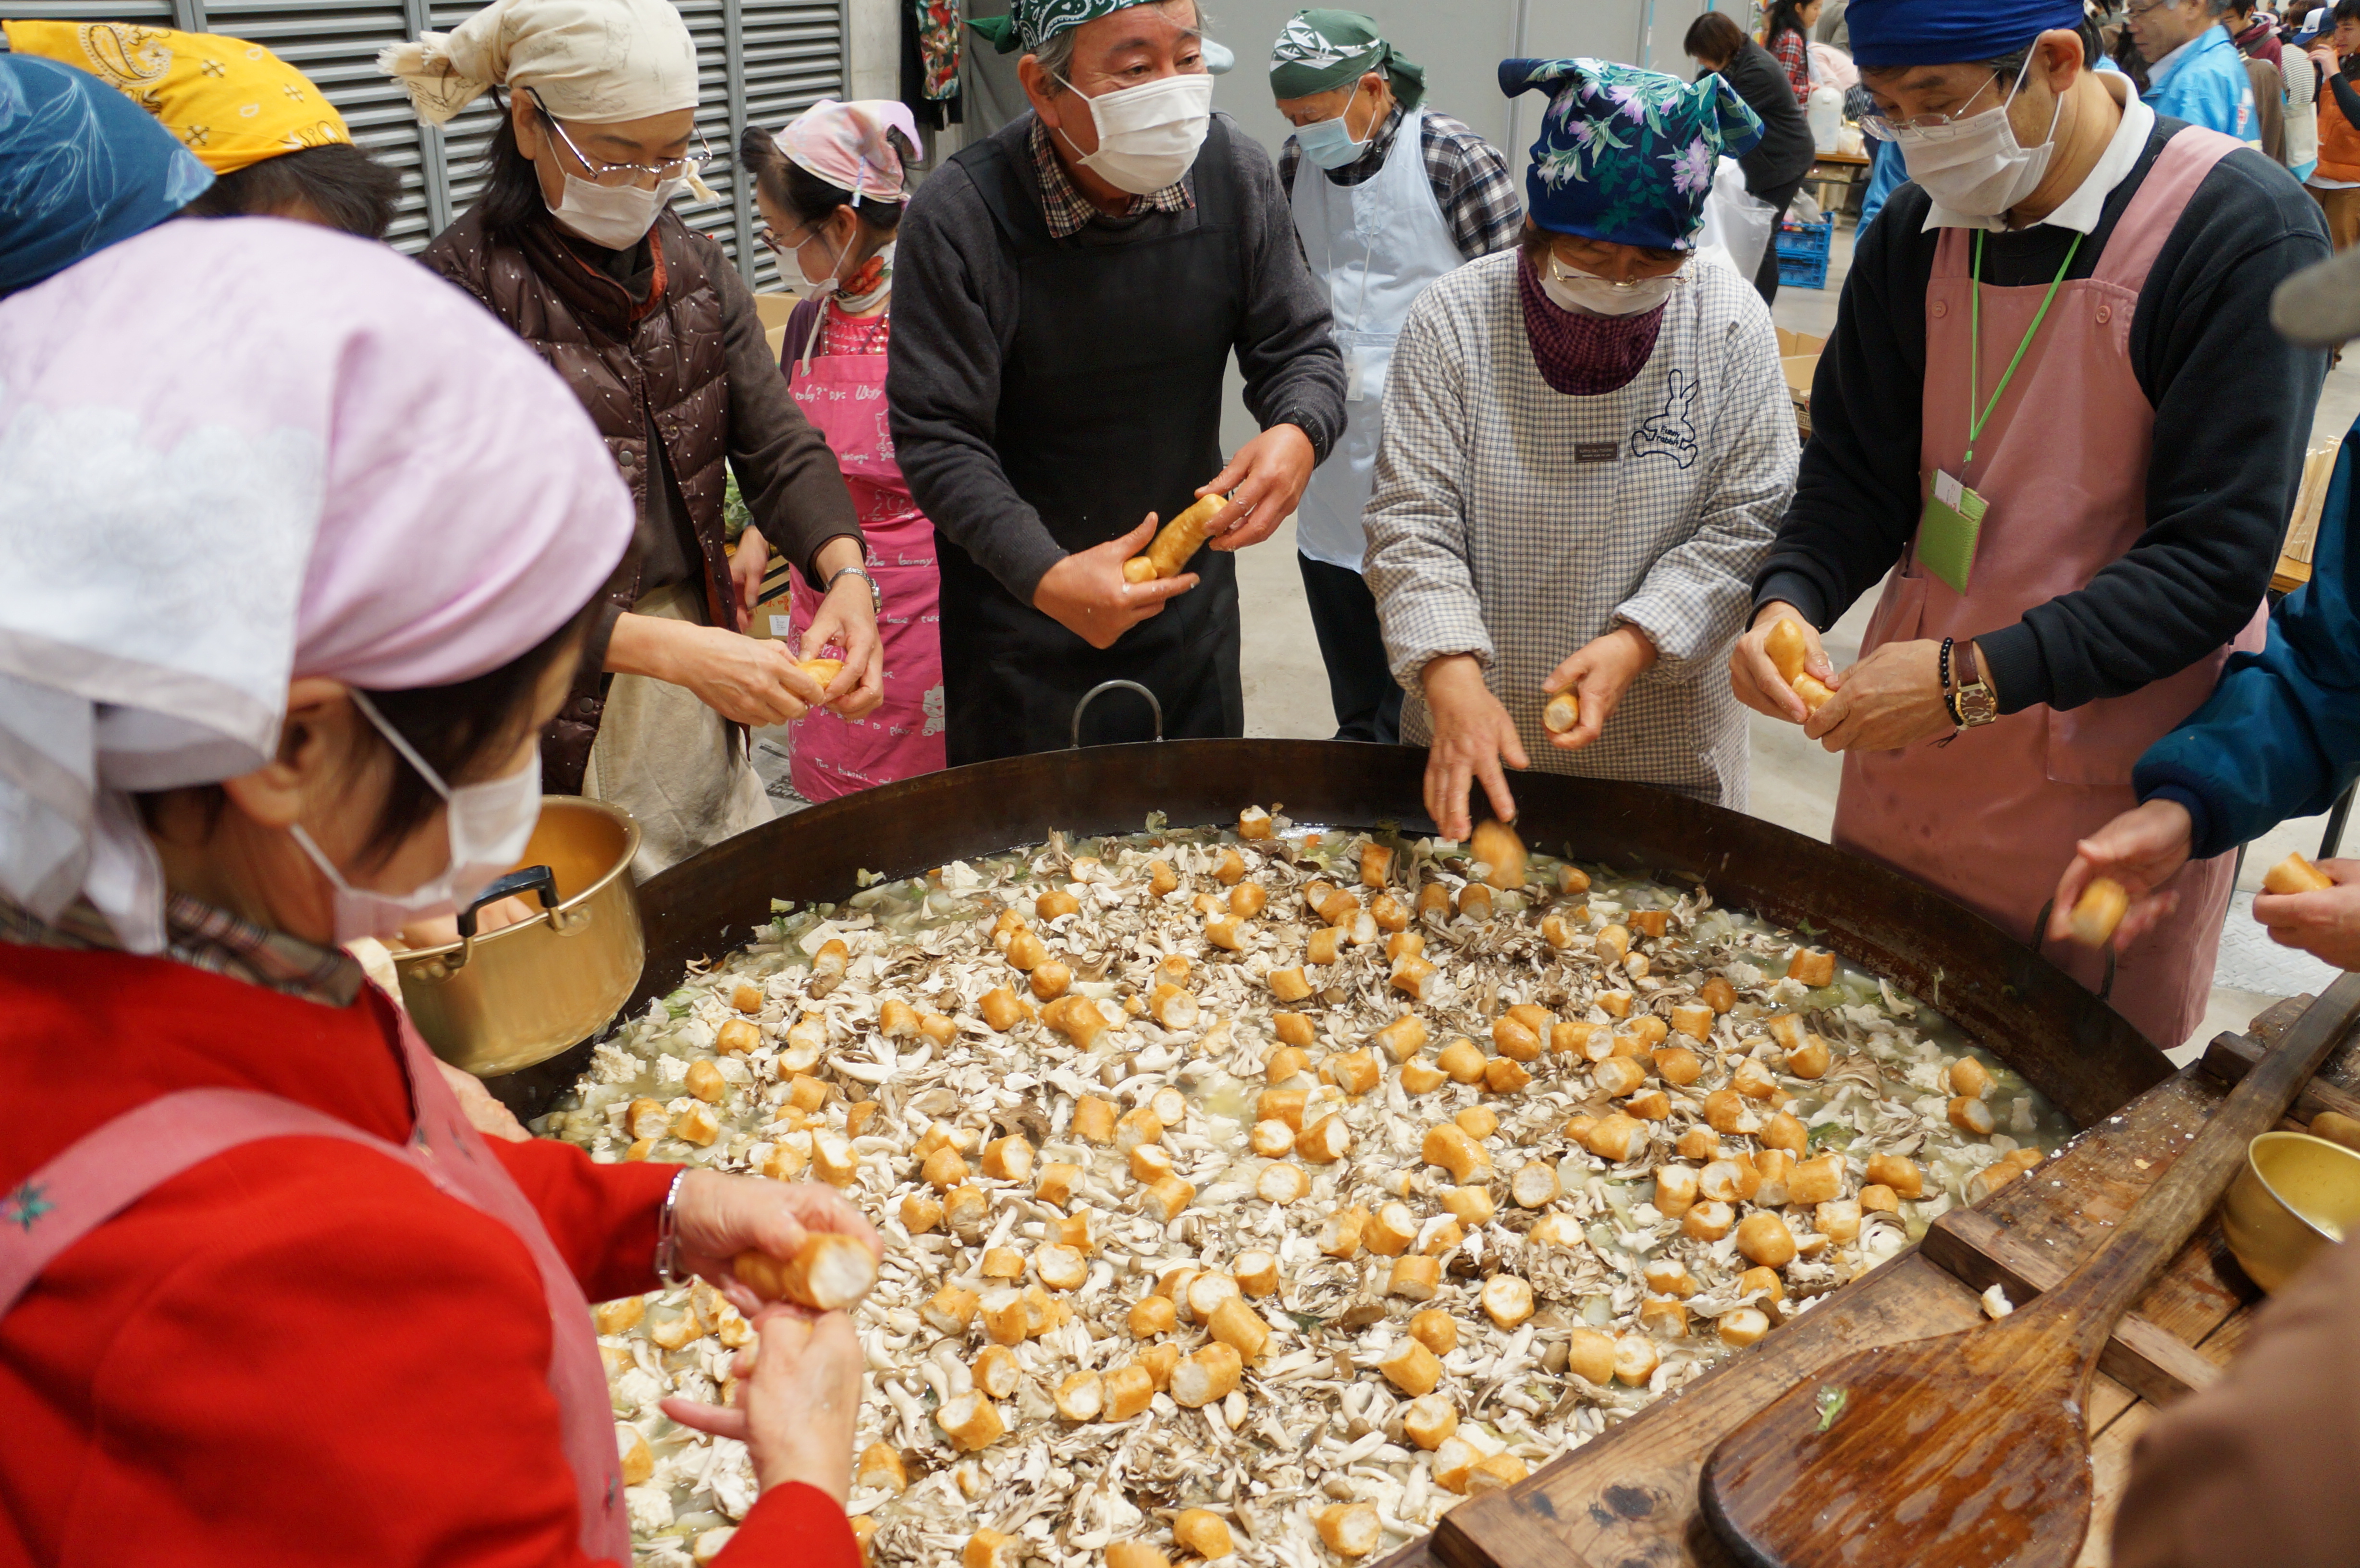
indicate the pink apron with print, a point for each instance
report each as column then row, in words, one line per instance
column 844, row 398
column 1991, row 818
column 115, row 1165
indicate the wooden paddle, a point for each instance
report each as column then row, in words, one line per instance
column 1974, row 1448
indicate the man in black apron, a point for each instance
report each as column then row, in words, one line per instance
column 1067, row 294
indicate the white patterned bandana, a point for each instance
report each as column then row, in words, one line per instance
column 1303, row 43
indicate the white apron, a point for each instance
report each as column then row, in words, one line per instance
column 1376, row 245
column 671, row 762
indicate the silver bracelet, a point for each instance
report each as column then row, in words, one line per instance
column 668, row 1231
column 876, row 594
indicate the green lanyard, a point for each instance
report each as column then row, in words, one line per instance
column 1975, row 422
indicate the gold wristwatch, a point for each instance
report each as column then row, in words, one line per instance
column 1974, row 703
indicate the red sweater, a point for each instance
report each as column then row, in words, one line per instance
column 297, row 1352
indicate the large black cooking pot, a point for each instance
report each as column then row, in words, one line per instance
column 2073, row 1047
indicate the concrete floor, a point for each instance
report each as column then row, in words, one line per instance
column 1794, row 782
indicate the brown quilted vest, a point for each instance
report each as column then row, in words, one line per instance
column 628, row 362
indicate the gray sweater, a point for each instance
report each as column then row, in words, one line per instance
column 955, row 310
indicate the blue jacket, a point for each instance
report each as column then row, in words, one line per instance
column 2279, row 737
column 1886, row 173
column 2208, row 86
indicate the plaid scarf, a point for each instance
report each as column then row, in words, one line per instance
column 1584, row 356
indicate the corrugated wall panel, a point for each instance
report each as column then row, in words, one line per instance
column 792, row 53
column 336, row 43
column 794, row 58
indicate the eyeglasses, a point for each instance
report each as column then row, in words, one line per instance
column 617, row 175
column 1938, row 127
column 784, row 250
column 2132, row 12
column 1569, row 272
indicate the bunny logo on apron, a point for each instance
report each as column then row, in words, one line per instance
column 1670, row 432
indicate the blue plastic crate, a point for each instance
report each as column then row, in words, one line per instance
column 1801, row 271
column 1807, row 239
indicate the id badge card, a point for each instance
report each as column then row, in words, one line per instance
column 1948, row 530
column 1368, row 360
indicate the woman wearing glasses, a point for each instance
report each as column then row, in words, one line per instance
column 1587, row 449
column 831, row 188
column 575, row 245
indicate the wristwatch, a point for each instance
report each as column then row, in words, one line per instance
column 1972, row 704
column 876, row 594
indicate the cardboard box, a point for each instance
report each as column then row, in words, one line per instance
column 1798, row 358
column 775, row 307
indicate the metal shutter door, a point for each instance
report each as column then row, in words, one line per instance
column 336, row 43
column 759, row 61
column 793, row 57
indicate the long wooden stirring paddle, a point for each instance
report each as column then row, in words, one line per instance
column 1974, row 1448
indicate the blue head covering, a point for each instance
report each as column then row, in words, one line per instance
column 81, row 167
column 1948, row 32
column 1626, row 155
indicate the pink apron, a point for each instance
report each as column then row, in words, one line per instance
column 113, row 1167
column 843, row 396
column 1991, row 818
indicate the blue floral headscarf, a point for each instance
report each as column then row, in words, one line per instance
column 81, row 167
column 1627, row 155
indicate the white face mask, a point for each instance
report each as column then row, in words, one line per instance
column 820, row 288
column 616, row 216
column 1148, row 134
column 489, row 825
column 1975, row 167
column 1586, row 294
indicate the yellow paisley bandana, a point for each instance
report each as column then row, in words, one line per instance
column 231, row 103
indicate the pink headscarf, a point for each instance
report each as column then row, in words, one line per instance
column 844, row 144
column 237, row 451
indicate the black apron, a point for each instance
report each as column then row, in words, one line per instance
column 1109, row 408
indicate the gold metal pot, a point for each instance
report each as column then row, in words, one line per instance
column 2295, row 1195
column 508, row 999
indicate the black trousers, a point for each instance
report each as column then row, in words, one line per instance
column 1765, row 277
column 1361, row 685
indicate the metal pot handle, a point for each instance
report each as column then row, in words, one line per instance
column 1092, row 695
column 538, row 879
column 2040, row 940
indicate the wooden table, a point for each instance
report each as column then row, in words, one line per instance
column 1629, row 1497
column 1846, row 169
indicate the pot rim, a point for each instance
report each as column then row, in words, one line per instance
column 2279, row 1198
column 405, row 957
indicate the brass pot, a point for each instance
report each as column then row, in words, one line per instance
column 508, row 999
column 2295, row 1195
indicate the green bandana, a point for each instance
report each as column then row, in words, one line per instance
column 1322, row 50
column 1031, row 23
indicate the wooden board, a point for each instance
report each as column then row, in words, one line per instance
column 2302, row 527
column 1629, row 1497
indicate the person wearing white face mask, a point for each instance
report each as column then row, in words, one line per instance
column 574, row 245
column 831, row 188
column 368, row 531
column 1399, row 195
column 1585, row 449
column 1071, row 290
column 2054, row 416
